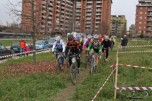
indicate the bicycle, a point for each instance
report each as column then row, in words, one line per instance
column 134, row 94
column 59, row 60
column 74, row 69
column 93, row 62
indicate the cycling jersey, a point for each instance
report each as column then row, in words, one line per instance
column 59, row 46
column 73, row 46
column 96, row 46
column 106, row 44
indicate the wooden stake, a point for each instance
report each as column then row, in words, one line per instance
column 116, row 75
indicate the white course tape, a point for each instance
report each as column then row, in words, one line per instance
column 134, row 88
column 131, row 66
column 148, row 51
column 13, row 55
column 139, row 46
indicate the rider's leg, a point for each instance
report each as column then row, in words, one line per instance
column 78, row 61
column 107, row 53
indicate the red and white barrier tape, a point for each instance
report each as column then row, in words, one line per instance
column 131, row 66
column 139, row 46
column 148, row 51
column 13, row 55
column 103, row 85
column 133, row 88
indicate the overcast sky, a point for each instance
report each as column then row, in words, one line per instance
column 119, row 7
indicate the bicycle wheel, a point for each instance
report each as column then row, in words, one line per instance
column 73, row 73
column 91, row 66
column 134, row 94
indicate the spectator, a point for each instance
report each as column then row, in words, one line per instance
column 22, row 46
column 27, row 49
column 124, row 42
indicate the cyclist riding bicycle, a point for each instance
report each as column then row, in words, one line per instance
column 95, row 47
column 87, row 41
column 72, row 48
column 106, row 46
column 59, row 47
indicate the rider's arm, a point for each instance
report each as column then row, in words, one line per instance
column 63, row 46
column 53, row 46
column 100, row 48
column 89, row 47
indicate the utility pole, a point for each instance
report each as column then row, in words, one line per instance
column 34, row 30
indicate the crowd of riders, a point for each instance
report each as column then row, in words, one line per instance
column 80, row 45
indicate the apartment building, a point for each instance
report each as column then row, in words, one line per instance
column 118, row 25
column 50, row 16
column 143, row 24
column 92, row 16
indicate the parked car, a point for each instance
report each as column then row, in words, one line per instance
column 51, row 41
column 15, row 47
column 4, row 51
column 41, row 44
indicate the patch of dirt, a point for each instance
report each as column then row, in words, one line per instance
column 29, row 67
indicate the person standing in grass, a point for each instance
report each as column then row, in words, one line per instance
column 22, row 46
column 124, row 42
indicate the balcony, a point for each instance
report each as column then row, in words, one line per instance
column 44, row 2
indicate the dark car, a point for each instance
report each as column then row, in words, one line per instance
column 4, row 51
column 15, row 47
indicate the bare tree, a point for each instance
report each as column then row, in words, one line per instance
column 28, row 16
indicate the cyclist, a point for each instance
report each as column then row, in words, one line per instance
column 95, row 47
column 60, row 48
column 87, row 41
column 73, row 48
column 106, row 46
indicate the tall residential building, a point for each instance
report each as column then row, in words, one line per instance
column 143, row 23
column 92, row 16
column 50, row 15
column 118, row 25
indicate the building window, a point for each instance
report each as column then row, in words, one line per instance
column 141, row 12
column 140, row 22
column 140, row 17
column 141, row 8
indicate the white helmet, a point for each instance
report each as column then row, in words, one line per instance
column 96, row 36
column 106, row 37
column 89, row 37
column 58, row 38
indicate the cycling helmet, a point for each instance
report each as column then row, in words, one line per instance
column 89, row 37
column 106, row 37
column 78, row 37
column 70, row 37
column 96, row 36
column 58, row 38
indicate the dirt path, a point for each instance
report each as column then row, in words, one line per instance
column 66, row 93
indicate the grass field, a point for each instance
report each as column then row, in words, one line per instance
column 45, row 87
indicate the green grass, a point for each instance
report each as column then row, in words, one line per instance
column 33, row 87
column 9, row 42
